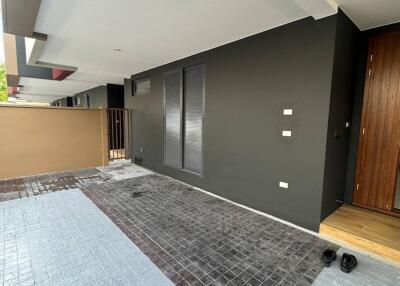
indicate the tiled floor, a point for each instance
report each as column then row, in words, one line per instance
column 62, row 238
column 194, row 238
column 368, row 272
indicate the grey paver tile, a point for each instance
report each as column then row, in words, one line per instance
column 54, row 252
column 194, row 238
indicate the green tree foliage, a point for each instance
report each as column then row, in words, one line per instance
column 3, row 83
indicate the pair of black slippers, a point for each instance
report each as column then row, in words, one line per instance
column 347, row 263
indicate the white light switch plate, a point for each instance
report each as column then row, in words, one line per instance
column 286, row 133
column 284, row 185
column 287, row 111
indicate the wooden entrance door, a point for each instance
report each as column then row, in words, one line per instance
column 379, row 144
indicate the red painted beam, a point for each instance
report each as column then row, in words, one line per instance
column 12, row 89
column 59, row 74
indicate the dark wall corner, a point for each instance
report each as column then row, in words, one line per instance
column 93, row 98
column 127, row 92
column 340, row 113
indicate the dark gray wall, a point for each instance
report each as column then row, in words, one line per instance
column 65, row 102
column 110, row 95
column 357, row 104
column 62, row 102
column 340, row 112
column 248, row 83
column 25, row 70
column 98, row 97
column 128, row 98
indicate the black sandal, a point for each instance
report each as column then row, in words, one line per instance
column 348, row 263
column 328, row 256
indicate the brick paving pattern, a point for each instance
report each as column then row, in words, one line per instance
column 194, row 238
column 197, row 239
column 37, row 185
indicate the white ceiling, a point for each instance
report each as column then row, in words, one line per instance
column 150, row 33
column 83, row 33
column 43, row 90
column 367, row 14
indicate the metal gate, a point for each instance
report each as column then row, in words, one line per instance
column 119, row 133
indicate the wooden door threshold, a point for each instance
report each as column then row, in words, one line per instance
column 365, row 230
column 392, row 213
column 377, row 250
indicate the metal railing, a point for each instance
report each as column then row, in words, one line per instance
column 119, row 133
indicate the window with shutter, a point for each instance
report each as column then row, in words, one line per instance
column 183, row 136
column 193, row 118
column 173, row 118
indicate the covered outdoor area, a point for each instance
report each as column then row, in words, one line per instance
column 200, row 142
column 124, row 225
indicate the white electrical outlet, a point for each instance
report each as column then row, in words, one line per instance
column 287, row 111
column 283, row 185
column 286, row 133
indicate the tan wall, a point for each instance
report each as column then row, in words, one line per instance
column 10, row 54
column 36, row 140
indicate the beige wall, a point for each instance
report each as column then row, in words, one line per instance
column 36, row 140
column 10, row 55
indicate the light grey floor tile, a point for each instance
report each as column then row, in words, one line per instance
column 62, row 238
column 122, row 169
column 369, row 271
